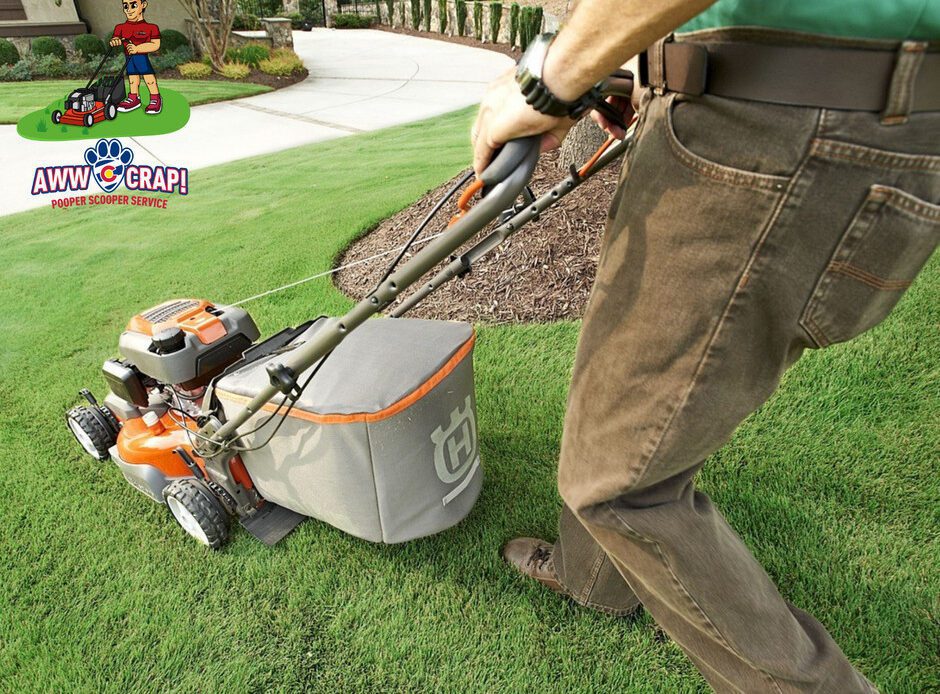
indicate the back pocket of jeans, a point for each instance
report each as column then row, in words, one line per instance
column 887, row 243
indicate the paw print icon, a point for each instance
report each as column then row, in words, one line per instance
column 109, row 160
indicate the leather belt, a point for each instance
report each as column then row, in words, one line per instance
column 799, row 75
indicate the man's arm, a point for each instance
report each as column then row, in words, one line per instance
column 150, row 47
column 599, row 37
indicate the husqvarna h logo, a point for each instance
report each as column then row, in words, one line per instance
column 455, row 448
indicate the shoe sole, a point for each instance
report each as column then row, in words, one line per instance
column 128, row 110
column 153, row 113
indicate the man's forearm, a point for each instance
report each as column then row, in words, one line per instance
column 601, row 35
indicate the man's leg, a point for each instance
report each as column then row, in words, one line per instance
column 704, row 296
column 134, row 81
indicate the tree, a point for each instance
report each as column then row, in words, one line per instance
column 213, row 20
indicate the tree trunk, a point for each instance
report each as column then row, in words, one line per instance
column 581, row 144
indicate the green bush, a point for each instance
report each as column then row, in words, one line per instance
column 167, row 60
column 530, row 24
column 312, row 11
column 296, row 20
column 460, row 7
column 8, row 53
column 19, row 72
column 280, row 66
column 402, row 8
column 90, row 46
column 236, row 71
column 78, row 69
column 442, row 15
column 171, row 40
column 415, row 14
column 50, row 66
column 496, row 18
column 194, row 71
column 250, row 54
column 351, row 21
column 513, row 23
column 46, row 45
column 390, row 4
column 378, row 11
column 478, row 20
column 427, row 15
column 245, row 21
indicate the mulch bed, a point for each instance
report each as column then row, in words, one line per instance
column 256, row 77
column 542, row 274
column 513, row 53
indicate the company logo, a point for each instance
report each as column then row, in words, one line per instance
column 455, row 449
column 110, row 165
column 108, row 161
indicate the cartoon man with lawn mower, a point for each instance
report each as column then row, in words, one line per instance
column 139, row 38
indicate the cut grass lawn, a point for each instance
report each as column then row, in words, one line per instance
column 18, row 99
column 833, row 484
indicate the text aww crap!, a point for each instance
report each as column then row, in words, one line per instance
column 151, row 179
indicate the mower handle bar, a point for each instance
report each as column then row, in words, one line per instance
column 503, row 181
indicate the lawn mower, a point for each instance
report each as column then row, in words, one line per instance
column 368, row 425
column 97, row 100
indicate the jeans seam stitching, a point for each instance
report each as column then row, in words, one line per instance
column 836, row 149
column 675, row 579
column 768, row 227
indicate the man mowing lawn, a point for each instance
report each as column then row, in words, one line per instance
column 781, row 195
column 142, row 38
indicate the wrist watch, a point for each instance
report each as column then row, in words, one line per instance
column 536, row 92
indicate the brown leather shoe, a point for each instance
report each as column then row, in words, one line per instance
column 533, row 557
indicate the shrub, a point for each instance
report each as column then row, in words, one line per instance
column 530, row 23
column 296, row 20
column 402, row 8
column 8, row 53
column 427, row 15
column 171, row 40
column 50, row 66
column 250, row 54
column 378, row 11
column 19, row 72
column 78, row 68
column 279, row 67
column 89, row 46
column 236, row 71
column 460, row 8
column 513, row 23
column 245, row 21
column 194, row 71
column 478, row 20
column 46, row 45
column 442, row 15
column 167, row 60
column 312, row 11
column 352, row 21
column 390, row 4
column 415, row 14
column 496, row 18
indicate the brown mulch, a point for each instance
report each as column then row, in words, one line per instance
column 256, row 77
column 514, row 53
column 541, row 274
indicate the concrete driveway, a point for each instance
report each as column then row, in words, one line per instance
column 359, row 81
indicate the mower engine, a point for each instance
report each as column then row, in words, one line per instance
column 170, row 353
column 81, row 100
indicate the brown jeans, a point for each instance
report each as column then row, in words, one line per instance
column 740, row 234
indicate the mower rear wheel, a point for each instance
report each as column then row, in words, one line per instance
column 110, row 112
column 57, row 116
column 197, row 511
column 92, row 431
column 89, row 120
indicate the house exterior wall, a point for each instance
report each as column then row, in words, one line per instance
column 103, row 15
column 44, row 17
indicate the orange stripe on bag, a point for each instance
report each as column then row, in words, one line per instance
column 389, row 411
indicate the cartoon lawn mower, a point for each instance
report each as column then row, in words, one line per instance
column 97, row 100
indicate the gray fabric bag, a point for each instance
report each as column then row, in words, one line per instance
column 383, row 442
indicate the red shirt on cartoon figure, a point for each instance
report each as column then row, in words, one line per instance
column 139, row 38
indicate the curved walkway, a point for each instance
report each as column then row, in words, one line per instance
column 359, row 81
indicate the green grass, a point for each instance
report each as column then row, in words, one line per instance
column 834, row 483
column 18, row 99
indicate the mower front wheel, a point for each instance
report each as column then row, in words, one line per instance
column 197, row 511
column 89, row 120
column 95, row 431
column 57, row 116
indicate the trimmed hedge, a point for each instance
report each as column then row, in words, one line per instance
column 513, row 23
column 46, row 45
column 171, row 40
column 427, row 15
column 415, row 14
column 461, row 8
column 442, row 15
column 90, row 46
column 478, row 20
column 496, row 18
column 8, row 53
column 236, row 71
column 349, row 21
